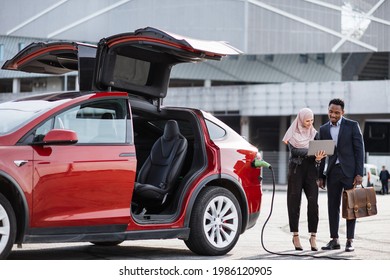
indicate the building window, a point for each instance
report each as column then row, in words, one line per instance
column 26, row 85
column 251, row 57
column 269, row 58
column 320, row 58
column 233, row 57
column 71, row 83
column 5, row 85
column 303, row 58
column 21, row 46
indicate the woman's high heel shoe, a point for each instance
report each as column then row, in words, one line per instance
column 297, row 244
column 313, row 244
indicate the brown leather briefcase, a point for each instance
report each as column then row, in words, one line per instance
column 359, row 202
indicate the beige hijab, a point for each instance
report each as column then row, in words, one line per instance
column 298, row 135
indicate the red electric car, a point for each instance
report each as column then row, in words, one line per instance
column 109, row 163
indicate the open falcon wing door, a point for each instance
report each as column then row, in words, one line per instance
column 56, row 58
column 138, row 63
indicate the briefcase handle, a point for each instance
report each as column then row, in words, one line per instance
column 359, row 185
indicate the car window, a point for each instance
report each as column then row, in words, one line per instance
column 43, row 129
column 130, row 70
column 94, row 122
column 17, row 113
column 373, row 171
column 215, row 131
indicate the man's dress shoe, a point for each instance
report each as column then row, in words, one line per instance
column 332, row 245
column 349, row 246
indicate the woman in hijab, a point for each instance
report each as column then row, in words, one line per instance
column 302, row 175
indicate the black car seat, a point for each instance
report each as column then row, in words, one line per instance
column 158, row 175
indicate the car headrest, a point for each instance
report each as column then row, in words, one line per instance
column 171, row 130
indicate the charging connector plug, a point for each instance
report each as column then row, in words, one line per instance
column 257, row 163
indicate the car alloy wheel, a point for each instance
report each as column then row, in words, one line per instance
column 220, row 221
column 215, row 222
column 7, row 227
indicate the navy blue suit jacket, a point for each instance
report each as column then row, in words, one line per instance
column 349, row 150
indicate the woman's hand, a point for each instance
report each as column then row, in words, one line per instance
column 320, row 155
column 320, row 183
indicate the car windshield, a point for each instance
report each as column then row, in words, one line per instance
column 15, row 113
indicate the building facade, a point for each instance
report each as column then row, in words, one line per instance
column 296, row 53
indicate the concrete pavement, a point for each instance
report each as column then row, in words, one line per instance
column 372, row 235
column 372, row 239
column 274, row 251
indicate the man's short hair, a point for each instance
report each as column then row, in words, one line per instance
column 337, row 101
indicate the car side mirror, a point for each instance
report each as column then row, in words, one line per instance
column 59, row 137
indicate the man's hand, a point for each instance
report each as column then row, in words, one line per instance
column 358, row 180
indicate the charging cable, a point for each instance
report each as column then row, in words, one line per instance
column 257, row 163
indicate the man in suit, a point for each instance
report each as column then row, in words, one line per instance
column 344, row 168
column 384, row 176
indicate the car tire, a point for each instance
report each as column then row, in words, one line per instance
column 7, row 227
column 215, row 224
column 107, row 243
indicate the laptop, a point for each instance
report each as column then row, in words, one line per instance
column 321, row 145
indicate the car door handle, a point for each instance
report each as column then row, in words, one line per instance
column 127, row 154
column 20, row 163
